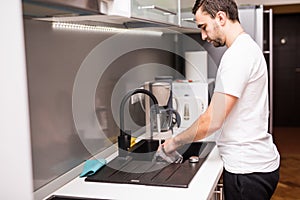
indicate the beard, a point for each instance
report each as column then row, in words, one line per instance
column 218, row 43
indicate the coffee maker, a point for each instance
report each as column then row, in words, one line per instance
column 161, row 88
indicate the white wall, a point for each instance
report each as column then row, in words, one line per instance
column 15, row 168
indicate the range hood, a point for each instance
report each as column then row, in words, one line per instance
column 60, row 8
column 87, row 12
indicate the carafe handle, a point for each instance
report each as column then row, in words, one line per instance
column 177, row 119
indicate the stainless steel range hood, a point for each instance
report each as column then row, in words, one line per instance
column 87, row 12
column 59, row 8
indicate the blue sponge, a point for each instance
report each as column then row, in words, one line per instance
column 92, row 166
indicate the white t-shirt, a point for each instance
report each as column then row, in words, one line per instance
column 244, row 143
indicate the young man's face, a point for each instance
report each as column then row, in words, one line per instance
column 209, row 28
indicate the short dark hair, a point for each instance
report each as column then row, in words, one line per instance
column 214, row 6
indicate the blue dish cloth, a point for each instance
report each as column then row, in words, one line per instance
column 92, row 166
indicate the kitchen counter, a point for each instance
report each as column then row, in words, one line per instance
column 201, row 187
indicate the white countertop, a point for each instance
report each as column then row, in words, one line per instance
column 201, row 187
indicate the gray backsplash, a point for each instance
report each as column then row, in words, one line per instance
column 54, row 58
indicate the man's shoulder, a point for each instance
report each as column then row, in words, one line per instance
column 244, row 45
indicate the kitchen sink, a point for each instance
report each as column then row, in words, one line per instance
column 138, row 167
column 145, row 149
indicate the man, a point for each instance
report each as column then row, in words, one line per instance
column 239, row 107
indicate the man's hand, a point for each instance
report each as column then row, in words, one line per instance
column 210, row 121
column 167, row 152
column 169, row 146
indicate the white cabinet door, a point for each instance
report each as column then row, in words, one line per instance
column 186, row 17
column 156, row 10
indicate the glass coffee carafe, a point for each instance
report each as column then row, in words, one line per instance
column 162, row 90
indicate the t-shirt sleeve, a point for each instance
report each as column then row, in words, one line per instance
column 233, row 75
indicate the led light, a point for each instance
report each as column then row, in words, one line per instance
column 83, row 27
column 93, row 28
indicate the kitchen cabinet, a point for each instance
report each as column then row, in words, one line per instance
column 218, row 192
column 155, row 10
column 187, row 20
column 186, row 17
column 173, row 12
column 130, row 13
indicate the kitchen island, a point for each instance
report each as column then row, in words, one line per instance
column 201, row 187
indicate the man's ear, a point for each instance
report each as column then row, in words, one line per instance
column 221, row 18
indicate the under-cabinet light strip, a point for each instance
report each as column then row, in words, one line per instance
column 83, row 27
column 72, row 26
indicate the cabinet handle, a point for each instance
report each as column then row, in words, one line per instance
column 297, row 70
column 219, row 191
column 190, row 19
column 157, row 8
column 218, row 195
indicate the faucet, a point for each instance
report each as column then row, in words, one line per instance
column 125, row 135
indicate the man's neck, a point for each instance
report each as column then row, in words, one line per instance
column 234, row 29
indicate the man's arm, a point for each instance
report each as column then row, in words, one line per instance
column 210, row 121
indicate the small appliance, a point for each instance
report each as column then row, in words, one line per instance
column 161, row 88
column 190, row 99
